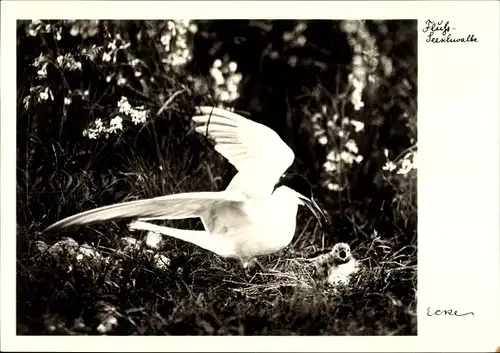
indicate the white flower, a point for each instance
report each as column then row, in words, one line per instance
column 217, row 76
column 351, row 146
column 42, row 73
column 301, row 40
column 217, row 63
column 236, row 78
column 406, row 167
column 138, row 116
column 91, row 134
column 403, row 171
column 232, row 88
column 193, row 28
column 390, row 166
column 233, row 66
column 44, row 95
column 165, row 40
column 224, row 96
column 358, row 159
column 329, row 166
column 26, row 102
column 333, row 156
column 112, row 45
column 233, row 96
column 121, row 81
column 334, row 187
column 98, row 124
column 106, row 57
column 323, row 140
column 115, row 124
column 346, row 157
column 67, row 100
column 124, row 105
column 357, row 60
column 358, row 125
column 358, row 105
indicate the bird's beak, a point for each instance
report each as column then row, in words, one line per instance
column 316, row 210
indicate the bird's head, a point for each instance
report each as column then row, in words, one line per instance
column 341, row 253
column 302, row 192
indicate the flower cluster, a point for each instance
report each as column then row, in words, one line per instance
column 68, row 62
column 65, row 62
column 293, row 39
column 84, row 28
column 109, row 55
column 175, row 41
column 364, row 62
column 40, row 94
column 97, row 130
column 41, row 63
column 138, row 115
column 341, row 133
column 37, row 26
column 226, row 81
column 296, row 37
column 401, row 166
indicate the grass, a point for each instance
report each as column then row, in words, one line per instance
column 195, row 292
column 201, row 294
column 115, row 288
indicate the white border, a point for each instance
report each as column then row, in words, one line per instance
column 458, row 173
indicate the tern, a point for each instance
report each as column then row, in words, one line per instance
column 255, row 215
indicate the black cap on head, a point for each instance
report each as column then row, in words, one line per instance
column 301, row 185
column 296, row 182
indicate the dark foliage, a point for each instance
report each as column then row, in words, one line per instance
column 292, row 86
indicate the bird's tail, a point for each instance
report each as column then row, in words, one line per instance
column 202, row 238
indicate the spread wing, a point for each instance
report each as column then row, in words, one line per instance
column 257, row 152
column 179, row 206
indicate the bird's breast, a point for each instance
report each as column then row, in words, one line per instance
column 270, row 227
column 254, row 227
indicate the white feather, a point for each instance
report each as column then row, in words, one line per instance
column 251, row 147
column 178, row 206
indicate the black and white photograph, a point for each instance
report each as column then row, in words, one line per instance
column 216, row 177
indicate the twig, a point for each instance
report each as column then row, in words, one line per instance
column 169, row 100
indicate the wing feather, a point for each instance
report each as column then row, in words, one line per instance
column 248, row 145
column 178, row 206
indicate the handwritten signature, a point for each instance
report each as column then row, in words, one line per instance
column 446, row 312
column 441, row 32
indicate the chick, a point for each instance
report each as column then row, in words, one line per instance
column 336, row 266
